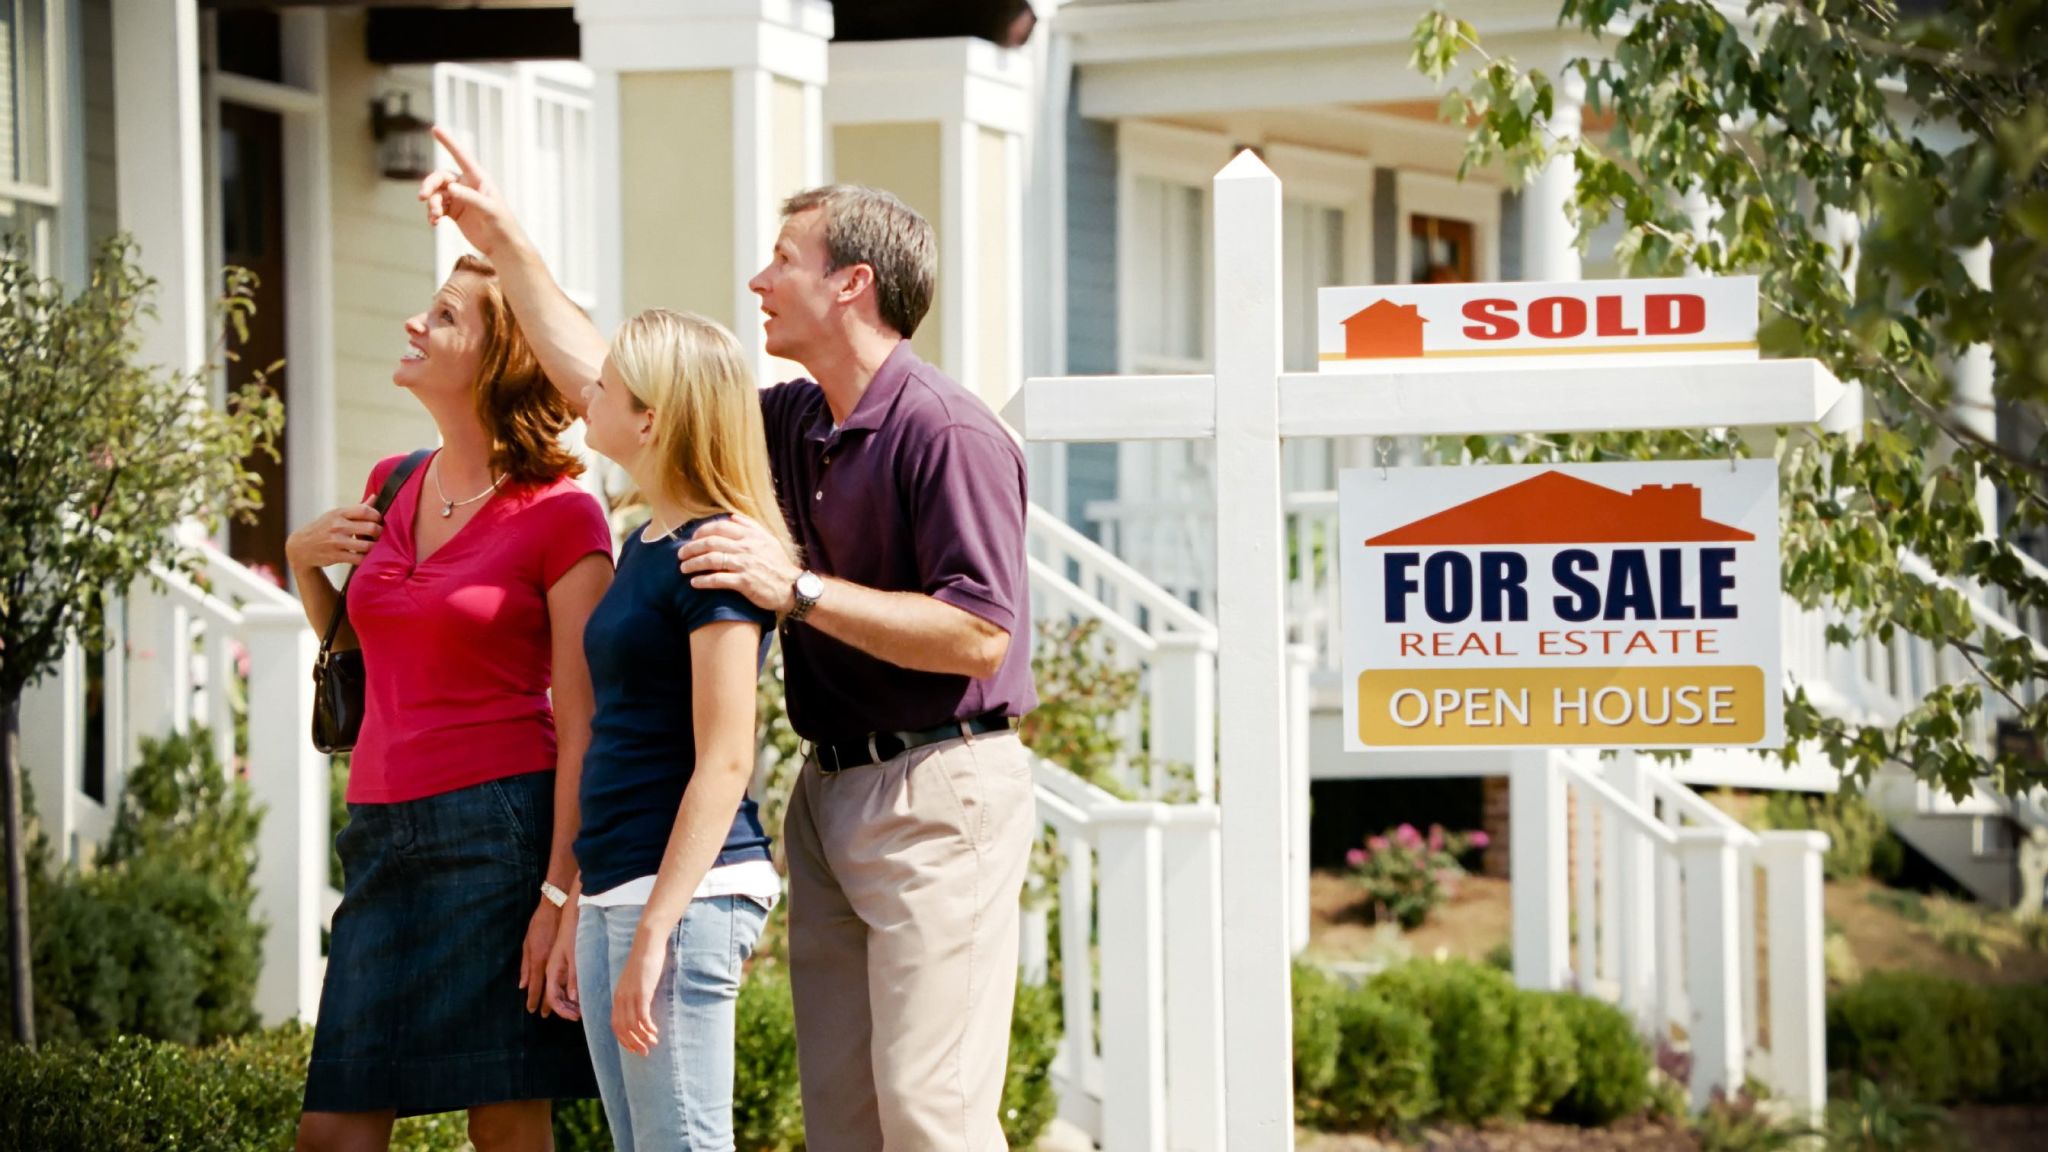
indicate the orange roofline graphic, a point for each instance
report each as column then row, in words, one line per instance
column 1554, row 508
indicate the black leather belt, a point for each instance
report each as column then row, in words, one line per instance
column 880, row 746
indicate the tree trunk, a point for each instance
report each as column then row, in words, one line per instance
column 17, row 875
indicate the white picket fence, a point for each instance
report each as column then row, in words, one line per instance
column 173, row 663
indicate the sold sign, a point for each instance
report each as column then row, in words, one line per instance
column 1424, row 326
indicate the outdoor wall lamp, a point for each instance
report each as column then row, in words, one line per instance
column 405, row 143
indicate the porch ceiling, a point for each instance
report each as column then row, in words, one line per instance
column 1171, row 58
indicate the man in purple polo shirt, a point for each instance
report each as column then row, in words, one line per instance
column 911, row 825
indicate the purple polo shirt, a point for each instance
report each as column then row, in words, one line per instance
column 921, row 490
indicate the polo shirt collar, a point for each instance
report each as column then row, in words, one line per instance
column 877, row 400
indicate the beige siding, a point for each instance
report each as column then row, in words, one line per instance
column 994, row 279
column 789, row 143
column 383, row 266
column 675, row 132
column 903, row 158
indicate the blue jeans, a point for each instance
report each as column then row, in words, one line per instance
column 679, row 1095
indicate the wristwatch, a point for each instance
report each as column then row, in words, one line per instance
column 555, row 895
column 808, row 588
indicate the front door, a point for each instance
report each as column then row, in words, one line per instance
column 252, row 234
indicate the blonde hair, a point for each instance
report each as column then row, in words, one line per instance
column 708, row 435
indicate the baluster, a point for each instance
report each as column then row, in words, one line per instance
column 1133, row 986
column 1588, row 975
column 1712, row 968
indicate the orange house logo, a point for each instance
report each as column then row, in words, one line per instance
column 1384, row 330
column 1554, row 508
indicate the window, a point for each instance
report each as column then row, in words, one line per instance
column 1439, row 250
column 28, row 180
column 529, row 124
column 1170, row 266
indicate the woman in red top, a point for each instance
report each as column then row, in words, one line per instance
column 469, row 602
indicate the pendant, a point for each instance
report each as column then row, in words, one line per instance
column 447, row 509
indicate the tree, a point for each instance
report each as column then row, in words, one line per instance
column 101, row 458
column 1926, row 123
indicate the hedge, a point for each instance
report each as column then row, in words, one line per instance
column 1451, row 1040
column 1942, row 1041
column 243, row 1095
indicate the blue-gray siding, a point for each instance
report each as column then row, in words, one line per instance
column 1091, row 290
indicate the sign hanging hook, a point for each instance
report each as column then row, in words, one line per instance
column 1380, row 450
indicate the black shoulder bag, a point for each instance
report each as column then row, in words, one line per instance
column 338, row 676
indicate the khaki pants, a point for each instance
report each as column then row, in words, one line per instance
column 904, row 879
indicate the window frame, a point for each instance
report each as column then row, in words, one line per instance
column 1448, row 199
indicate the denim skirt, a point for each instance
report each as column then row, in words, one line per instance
column 421, row 1010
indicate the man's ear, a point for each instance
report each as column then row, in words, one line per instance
column 859, row 278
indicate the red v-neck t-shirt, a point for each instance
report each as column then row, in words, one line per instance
column 457, row 652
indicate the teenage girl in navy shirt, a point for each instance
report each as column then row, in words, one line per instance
column 675, row 879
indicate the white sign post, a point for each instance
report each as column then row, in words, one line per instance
column 1248, row 405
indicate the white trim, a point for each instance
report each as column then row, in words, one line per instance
column 1178, row 29
column 68, row 150
column 1184, row 156
column 1170, row 152
column 1428, row 194
column 784, row 37
column 309, row 447
column 159, row 173
column 607, row 202
column 960, row 227
column 1339, row 180
column 895, row 81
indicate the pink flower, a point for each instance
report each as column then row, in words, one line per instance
column 1407, row 836
column 1355, row 857
column 1436, row 837
column 1481, row 839
column 1376, row 843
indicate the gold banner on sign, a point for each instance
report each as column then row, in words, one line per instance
column 1639, row 707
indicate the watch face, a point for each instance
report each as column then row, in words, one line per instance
column 809, row 586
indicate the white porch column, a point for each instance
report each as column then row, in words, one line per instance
column 1549, row 249
column 706, row 117
column 1538, row 870
column 1844, row 233
column 289, row 779
column 941, row 124
column 1970, row 403
column 160, row 188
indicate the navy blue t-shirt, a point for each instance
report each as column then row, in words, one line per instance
column 643, row 744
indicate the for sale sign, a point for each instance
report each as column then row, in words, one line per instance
column 1588, row 605
column 1465, row 326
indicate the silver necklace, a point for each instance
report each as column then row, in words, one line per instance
column 448, row 506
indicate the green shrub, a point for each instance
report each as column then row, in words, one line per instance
column 1383, row 1074
column 1317, row 1040
column 1740, row 1124
column 1479, row 1070
column 159, row 940
column 580, row 1127
column 2022, row 1014
column 1614, row 1066
column 137, row 1093
column 1028, row 1099
column 1544, row 1032
column 1882, row 1119
column 767, row 1110
column 1933, row 1038
column 1860, row 840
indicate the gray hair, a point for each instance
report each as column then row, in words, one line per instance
column 869, row 226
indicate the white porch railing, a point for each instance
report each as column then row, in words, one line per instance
column 172, row 664
column 1170, row 645
column 1142, row 882
column 1664, row 896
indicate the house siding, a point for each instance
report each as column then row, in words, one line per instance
column 1091, row 291
column 383, row 264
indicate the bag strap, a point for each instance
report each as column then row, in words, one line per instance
column 385, row 495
